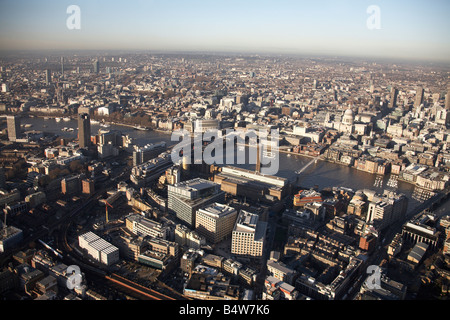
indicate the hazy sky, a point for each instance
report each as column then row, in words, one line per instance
column 416, row 29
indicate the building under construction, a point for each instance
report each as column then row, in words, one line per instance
column 9, row 237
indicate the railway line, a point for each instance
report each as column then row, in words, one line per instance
column 147, row 293
column 99, row 275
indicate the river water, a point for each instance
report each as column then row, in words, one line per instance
column 322, row 174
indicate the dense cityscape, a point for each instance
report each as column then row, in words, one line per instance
column 95, row 208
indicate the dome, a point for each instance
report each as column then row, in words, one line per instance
column 349, row 113
column 348, row 116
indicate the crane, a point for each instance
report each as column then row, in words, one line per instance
column 106, row 209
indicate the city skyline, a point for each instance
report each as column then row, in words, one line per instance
column 357, row 210
column 224, row 151
column 408, row 30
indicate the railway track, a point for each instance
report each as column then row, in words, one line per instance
column 148, row 293
column 135, row 289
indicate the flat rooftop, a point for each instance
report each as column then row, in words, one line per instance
column 249, row 174
column 249, row 222
column 194, row 184
column 194, row 189
column 218, row 210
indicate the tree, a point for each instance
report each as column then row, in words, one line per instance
column 76, row 166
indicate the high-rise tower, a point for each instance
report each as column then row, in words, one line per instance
column 393, row 101
column 96, row 66
column 13, row 124
column 48, row 77
column 419, row 97
column 447, row 100
column 84, row 130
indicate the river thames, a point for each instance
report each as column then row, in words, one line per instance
column 321, row 173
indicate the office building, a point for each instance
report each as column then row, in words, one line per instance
column 248, row 235
column 2, row 178
column 215, row 222
column 35, row 199
column 16, row 208
column 9, row 197
column 189, row 260
column 96, row 65
column 395, row 246
column 251, row 184
column 150, row 170
column 386, row 209
column 47, row 284
column 149, row 151
column 88, row 186
column 204, row 125
column 154, row 259
column 305, row 197
column 107, row 150
column 130, row 246
column 113, row 137
column 173, row 175
column 280, row 271
column 210, row 286
column 84, row 130
column 417, row 253
column 444, row 222
column 447, row 100
column 419, row 97
column 10, row 237
column 231, row 266
column 422, row 229
column 380, row 212
column 393, row 99
column 48, row 77
column 213, row 260
column 186, row 197
column 28, row 277
column 109, row 142
column 367, row 242
column 186, row 237
column 5, row 87
column 13, row 125
column 98, row 248
column 142, row 226
column 71, row 185
column 247, row 276
column 272, row 289
column 159, row 245
column 324, row 287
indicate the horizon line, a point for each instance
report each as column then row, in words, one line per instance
column 373, row 58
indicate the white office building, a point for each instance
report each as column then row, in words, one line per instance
column 215, row 222
column 248, row 235
column 98, row 248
